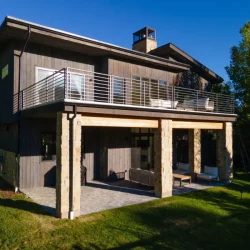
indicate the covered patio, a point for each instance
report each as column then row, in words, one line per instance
column 73, row 200
column 99, row 196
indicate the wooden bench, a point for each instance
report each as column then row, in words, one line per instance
column 181, row 177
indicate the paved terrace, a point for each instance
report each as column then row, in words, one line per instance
column 99, row 196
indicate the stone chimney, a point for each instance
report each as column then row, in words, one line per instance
column 144, row 40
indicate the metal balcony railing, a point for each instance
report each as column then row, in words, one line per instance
column 80, row 86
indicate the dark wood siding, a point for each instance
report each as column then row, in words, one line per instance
column 127, row 70
column 9, row 137
column 51, row 58
column 107, row 150
column 33, row 171
column 6, row 86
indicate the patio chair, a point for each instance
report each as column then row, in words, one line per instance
column 182, row 168
column 210, row 173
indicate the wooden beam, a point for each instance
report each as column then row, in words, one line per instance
column 199, row 125
column 118, row 122
column 152, row 114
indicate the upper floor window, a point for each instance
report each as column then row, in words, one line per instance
column 76, row 86
column 118, row 90
column 43, row 73
column 144, row 89
column 45, row 85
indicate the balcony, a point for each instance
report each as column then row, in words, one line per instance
column 85, row 87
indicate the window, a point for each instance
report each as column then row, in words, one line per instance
column 163, row 90
column 44, row 86
column 118, row 90
column 136, row 90
column 77, row 86
column 48, row 146
column 144, row 138
column 154, row 90
column 143, row 89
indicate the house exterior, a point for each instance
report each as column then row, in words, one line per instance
column 68, row 101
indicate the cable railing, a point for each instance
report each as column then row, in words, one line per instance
column 81, row 86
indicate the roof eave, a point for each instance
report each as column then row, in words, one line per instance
column 11, row 20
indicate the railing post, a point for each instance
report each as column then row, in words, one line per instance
column 131, row 90
column 158, row 90
column 173, row 96
column 197, row 97
column 46, row 90
column 21, row 100
column 140, row 90
column 232, row 103
column 66, row 83
column 217, row 103
column 110, row 89
column 144, row 92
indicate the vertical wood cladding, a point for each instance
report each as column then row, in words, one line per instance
column 107, row 150
column 9, row 137
column 33, row 171
column 127, row 70
column 51, row 58
column 6, row 86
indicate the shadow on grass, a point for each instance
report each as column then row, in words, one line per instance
column 208, row 219
column 27, row 206
column 189, row 227
column 15, row 201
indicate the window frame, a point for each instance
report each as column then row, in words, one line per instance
column 112, row 93
column 36, row 81
column 150, row 81
column 53, row 146
column 83, row 97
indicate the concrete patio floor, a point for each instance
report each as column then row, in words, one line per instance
column 98, row 196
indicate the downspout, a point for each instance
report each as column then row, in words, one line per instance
column 19, row 112
column 71, row 163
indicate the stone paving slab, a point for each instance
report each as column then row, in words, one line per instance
column 99, row 196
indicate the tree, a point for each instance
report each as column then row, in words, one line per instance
column 239, row 73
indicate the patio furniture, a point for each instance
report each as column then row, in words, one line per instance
column 160, row 103
column 182, row 168
column 200, row 104
column 181, row 177
column 141, row 176
column 210, row 173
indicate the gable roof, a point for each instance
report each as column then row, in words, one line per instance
column 170, row 50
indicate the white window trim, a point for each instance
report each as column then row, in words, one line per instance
column 46, row 69
column 83, row 98
column 36, row 81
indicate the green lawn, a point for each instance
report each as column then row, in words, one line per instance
column 212, row 219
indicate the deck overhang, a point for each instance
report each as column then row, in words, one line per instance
column 49, row 111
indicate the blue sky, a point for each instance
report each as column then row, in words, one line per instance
column 204, row 29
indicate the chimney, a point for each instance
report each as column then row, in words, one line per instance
column 144, row 40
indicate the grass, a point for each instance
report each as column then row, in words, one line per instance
column 215, row 218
